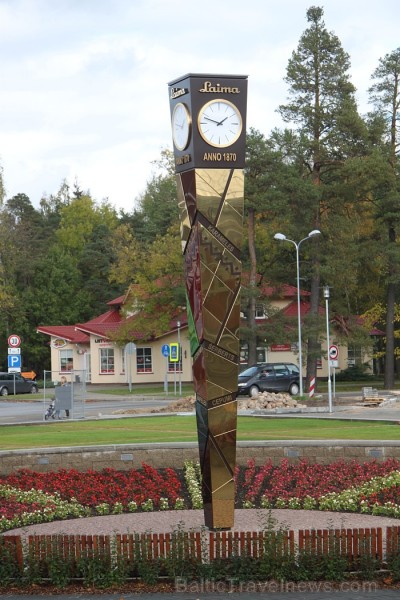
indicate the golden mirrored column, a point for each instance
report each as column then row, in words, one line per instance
column 211, row 209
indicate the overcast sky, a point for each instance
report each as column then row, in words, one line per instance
column 84, row 91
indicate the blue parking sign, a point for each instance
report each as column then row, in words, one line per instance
column 14, row 362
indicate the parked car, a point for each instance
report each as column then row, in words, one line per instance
column 10, row 382
column 269, row 377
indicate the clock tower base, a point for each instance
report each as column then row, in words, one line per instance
column 211, row 212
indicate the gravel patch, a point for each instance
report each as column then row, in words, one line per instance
column 193, row 520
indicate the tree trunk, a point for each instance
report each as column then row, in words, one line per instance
column 389, row 330
column 313, row 346
column 252, row 286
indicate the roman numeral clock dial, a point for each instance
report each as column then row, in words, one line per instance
column 219, row 123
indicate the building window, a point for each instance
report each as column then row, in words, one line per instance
column 354, row 356
column 260, row 312
column 144, row 363
column 262, row 355
column 106, row 360
column 244, row 354
column 176, row 366
column 66, row 360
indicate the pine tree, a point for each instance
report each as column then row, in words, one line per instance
column 323, row 109
column 385, row 96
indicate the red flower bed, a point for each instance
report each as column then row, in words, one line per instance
column 91, row 488
column 305, row 479
column 13, row 508
column 95, row 487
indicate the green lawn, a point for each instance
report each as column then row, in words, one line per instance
column 183, row 428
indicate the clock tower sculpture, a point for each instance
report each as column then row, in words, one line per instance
column 208, row 120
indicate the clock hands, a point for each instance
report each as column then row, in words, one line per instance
column 213, row 120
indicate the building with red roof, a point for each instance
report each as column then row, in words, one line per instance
column 89, row 347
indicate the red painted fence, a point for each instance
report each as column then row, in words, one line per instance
column 206, row 546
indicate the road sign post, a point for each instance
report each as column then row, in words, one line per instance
column 174, row 357
column 165, row 352
column 130, row 348
column 334, row 363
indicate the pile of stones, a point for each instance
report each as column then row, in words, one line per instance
column 268, row 400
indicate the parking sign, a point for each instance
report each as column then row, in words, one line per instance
column 14, row 363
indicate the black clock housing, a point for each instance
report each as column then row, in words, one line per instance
column 196, row 90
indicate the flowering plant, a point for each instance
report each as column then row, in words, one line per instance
column 27, row 497
column 109, row 486
column 372, row 487
column 20, row 508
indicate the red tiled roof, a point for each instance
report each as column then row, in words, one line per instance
column 105, row 325
column 282, row 291
column 291, row 309
column 111, row 316
column 117, row 301
column 101, row 329
column 66, row 332
column 346, row 324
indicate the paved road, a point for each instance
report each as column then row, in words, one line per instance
column 105, row 405
column 97, row 405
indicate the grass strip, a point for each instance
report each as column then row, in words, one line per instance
column 183, row 429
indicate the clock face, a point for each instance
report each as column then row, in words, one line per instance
column 181, row 126
column 219, row 123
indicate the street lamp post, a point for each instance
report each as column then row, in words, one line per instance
column 282, row 238
column 326, row 296
column 180, row 362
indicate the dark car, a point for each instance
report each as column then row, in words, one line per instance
column 269, row 377
column 14, row 382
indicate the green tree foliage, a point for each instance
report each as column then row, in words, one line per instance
column 322, row 107
column 267, row 178
column 148, row 255
column 385, row 96
column 158, row 208
column 79, row 218
column 2, row 189
column 54, row 266
column 21, row 243
column 157, row 286
column 95, row 264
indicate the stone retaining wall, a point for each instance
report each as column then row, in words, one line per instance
column 128, row 456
